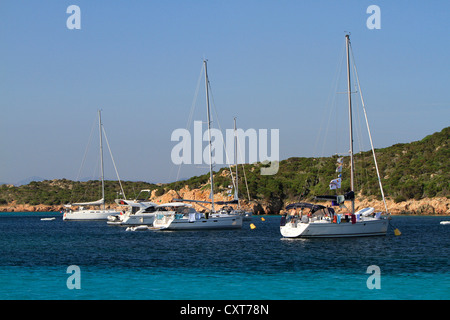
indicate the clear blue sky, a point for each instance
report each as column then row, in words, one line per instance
column 272, row 64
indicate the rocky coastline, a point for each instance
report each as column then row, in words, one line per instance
column 426, row 206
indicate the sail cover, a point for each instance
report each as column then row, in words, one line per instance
column 215, row 202
column 93, row 203
column 339, row 199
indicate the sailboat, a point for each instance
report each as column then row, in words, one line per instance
column 86, row 214
column 190, row 219
column 307, row 220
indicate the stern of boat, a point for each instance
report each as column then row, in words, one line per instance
column 292, row 228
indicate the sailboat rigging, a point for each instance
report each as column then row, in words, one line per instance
column 86, row 214
column 186, row 217
column 246, row 215
column 322, row 221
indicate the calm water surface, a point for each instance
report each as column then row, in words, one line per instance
column 234, row 264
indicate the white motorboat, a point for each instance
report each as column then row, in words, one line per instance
column 144, row 216
column 321, row 221
column 88, row 214
column 139, row 212
column 182, row 216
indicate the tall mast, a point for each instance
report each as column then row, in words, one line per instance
column 101, row 156
column 347, row 41
column 209, row 135
column 236, row 193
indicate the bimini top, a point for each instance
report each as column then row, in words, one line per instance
column 302, row 205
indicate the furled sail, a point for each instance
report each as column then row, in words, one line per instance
column 93, row 203
column 200, row 201
column 339, row 198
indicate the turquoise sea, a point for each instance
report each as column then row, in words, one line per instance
column 242, row 264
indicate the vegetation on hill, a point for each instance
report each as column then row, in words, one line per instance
column 408, row 171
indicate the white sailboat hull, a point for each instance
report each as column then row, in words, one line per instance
column 318, row 229
column 89, row 214
column 169, row 223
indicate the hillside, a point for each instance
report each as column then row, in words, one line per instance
column 411, row 171
column 416, row 170
column 62, row 191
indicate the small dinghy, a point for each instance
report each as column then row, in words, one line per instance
column 138, row 228
column 366, row 211
column 48, row 219
column 445, row 222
